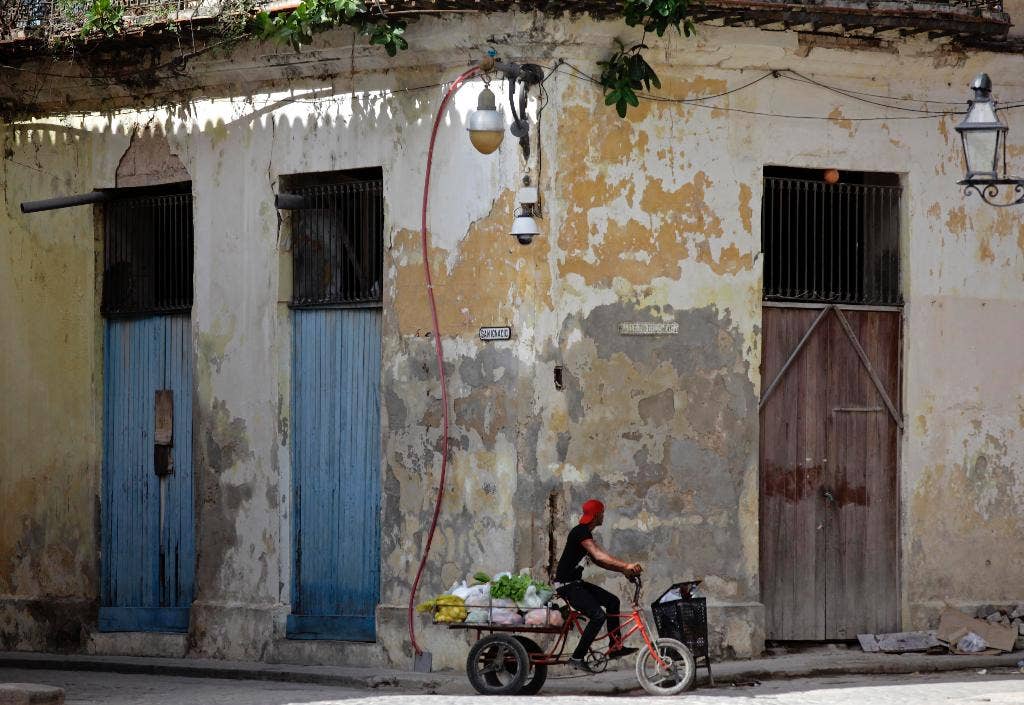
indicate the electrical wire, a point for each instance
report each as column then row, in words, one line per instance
column 540, row 114
column 806, row 79
column 797, row 77
column 698, row 103
column 455, row 86
column 581, row 74
column 737, row 89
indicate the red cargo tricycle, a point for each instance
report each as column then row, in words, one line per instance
column 507, row 661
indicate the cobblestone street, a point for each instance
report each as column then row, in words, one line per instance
column 1000, row 687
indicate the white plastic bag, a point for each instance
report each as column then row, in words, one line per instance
column 504, row 611
column 971, row 643
column 673, row 594
column 531, row 599
column 478, row 596
column 506, row 616
column 477, row 616
column 460, row 589
column 544, row 618
column 537, row 618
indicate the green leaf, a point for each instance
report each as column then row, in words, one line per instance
column 309, row 17
column 627, row 71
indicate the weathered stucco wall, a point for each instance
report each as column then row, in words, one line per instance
column 49, row 347
column 655, row 218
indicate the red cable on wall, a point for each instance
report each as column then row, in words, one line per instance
column 456, row 84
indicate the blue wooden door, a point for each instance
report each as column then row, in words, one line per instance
column 147, row 545
column 336, row 473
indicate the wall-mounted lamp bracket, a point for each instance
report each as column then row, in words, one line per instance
column 520, row 78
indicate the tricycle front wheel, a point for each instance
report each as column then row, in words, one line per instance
column 673, row 675
column 498, row 665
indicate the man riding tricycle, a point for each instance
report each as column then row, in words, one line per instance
column 508, row 661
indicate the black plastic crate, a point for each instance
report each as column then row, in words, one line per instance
column 685, row 620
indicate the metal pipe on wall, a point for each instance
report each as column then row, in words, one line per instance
column 50, row 204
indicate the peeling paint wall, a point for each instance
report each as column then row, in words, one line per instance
column 651, row 219
column 49, row 347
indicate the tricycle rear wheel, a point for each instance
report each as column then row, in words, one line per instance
column 535, row 681
column 498, row 665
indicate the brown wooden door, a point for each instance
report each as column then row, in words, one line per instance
column 829, row 507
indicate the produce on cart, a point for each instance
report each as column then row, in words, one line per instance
column 505, row 599
column 446, row 609
column 505, row 659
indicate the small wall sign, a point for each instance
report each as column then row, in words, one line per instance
column 648, row 329
column 496, row 333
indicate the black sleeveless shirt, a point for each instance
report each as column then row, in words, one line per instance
column 569, row 568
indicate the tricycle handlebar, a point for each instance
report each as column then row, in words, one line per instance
column 638, row 586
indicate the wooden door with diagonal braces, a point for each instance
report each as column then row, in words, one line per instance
column 830, row 424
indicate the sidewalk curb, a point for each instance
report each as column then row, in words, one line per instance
column 616, row 682
column 228, row 671
column 733, row 673
column 916, row 665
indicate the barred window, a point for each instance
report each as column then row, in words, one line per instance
column 831, row 242
column 148, row 251
column 338, row 239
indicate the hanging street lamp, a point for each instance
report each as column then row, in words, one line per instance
column 524, row 226
column 984, row 144
column 486, row 125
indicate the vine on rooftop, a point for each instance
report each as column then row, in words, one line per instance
column 622, row 75
column 626, row 71
column 103, row 17
column 298, row 26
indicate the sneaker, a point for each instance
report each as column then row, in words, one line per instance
column 578, row 664
column 622, row 651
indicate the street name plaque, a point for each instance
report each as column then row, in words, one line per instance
column 496, row 333
column 648, row 328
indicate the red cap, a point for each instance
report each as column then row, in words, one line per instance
column 591, row 508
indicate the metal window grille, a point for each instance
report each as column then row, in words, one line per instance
column 830, row 242
column 338, row 245
column 148, row 255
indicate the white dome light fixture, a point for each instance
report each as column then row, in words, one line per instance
column 524, row 227
column 486, row 125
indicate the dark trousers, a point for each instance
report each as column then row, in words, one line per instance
column 593, row 602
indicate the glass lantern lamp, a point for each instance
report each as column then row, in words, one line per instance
column 983, row 133
column 983, row 136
